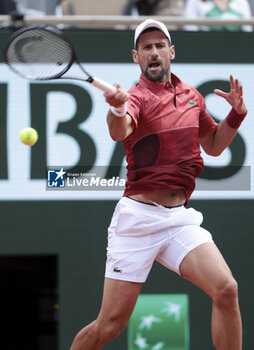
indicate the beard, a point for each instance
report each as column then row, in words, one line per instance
column 158, row 77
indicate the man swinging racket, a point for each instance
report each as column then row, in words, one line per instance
column 162, row 122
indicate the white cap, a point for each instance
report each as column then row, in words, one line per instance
column 150, row 23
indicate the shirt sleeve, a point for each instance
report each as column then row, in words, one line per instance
column 134, row 105
column 207, row 125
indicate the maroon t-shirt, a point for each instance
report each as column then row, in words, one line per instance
column 163, row 152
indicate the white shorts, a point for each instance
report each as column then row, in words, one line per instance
column 140, row 233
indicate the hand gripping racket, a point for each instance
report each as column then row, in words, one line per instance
column 44, row 53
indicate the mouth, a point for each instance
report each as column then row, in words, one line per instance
column 154, row 65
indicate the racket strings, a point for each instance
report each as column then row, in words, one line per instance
column 39, row 54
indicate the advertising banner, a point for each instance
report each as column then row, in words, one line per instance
column 159, row 322
column 70, row 118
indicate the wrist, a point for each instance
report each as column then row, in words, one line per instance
column 119, row 111
column 234, row 120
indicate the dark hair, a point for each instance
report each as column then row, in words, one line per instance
column 151, row 29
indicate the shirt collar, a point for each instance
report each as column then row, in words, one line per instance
column 155, row 87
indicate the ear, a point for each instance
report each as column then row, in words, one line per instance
column 135, row 56
column 172, row 54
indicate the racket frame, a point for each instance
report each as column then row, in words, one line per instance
column 97, row 82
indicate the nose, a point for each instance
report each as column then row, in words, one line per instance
column 154, row 52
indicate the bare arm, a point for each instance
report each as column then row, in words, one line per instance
column 215, row 143
column 119, row 127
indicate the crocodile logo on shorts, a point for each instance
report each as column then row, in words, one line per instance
column 116, row 269
column 192, row 103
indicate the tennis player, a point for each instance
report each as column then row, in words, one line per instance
column 162, row 122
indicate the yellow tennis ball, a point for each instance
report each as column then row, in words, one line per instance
column 28, row 136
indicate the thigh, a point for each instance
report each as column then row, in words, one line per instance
column 205, row 267
column 182, row 240
column 119, row 300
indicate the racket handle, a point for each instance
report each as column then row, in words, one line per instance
column 103, row 85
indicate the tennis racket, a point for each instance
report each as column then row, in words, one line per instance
column 43, row 52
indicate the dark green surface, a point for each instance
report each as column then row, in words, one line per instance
column 115, row 46
column 76, row 232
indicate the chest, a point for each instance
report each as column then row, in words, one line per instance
column 169, row 111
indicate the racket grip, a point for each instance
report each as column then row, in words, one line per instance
column 103, row 85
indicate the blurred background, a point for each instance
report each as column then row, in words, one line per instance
column 52, row 242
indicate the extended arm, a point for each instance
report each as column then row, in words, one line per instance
column 120, row 124
column 215, row 143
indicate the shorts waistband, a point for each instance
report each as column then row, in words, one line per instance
column 155, row 205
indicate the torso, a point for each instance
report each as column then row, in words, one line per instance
column 163, row 152
column 170, row 198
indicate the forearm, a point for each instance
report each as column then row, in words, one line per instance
column 119, row 128
column 215, row 144
column 222, row 138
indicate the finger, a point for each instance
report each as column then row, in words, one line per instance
column 114, row 94
column 232, row 82
column 121, row 99
column 117, row 86
column 241, row 101
column 126, row 97
column 241, row 90
column 110, row 94
column 237, row 85
column 123, row 95
column 118, row 99
column 220, row 93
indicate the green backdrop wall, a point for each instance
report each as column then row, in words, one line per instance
column 76, row 233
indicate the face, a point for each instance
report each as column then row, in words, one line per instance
column 154, row 55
